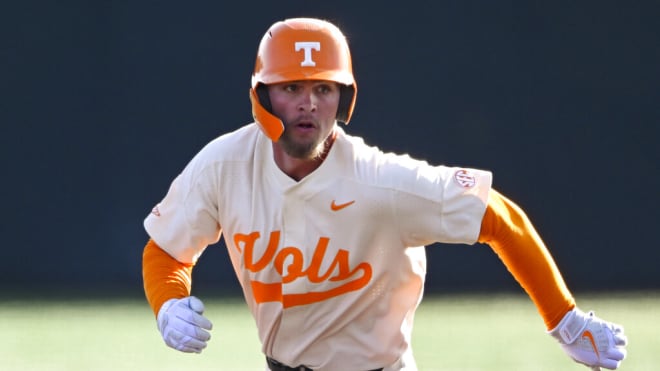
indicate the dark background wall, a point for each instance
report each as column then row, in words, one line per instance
column 102, row 103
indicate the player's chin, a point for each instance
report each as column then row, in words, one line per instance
column 301, row 149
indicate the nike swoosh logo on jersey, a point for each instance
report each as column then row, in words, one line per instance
column 336, row 207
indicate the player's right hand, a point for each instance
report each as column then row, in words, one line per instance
column 183, row 326
column 590, row 340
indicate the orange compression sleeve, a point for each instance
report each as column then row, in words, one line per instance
column 509, row 232
column 163, row 276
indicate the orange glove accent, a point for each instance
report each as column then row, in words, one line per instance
column 509, row 232
column 164, row 277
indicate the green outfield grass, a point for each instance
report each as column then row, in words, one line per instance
column 470, row 332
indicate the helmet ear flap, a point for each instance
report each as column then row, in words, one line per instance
column 264, row 98
column 270, row 124
column 346, row 103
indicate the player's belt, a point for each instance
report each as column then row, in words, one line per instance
column 277, row 366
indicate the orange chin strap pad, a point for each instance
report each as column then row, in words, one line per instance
column 163, row 276
column 508, row 231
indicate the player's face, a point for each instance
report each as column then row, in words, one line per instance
column 308, row 110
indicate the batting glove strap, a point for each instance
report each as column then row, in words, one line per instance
column 182, row 325
column 589, row 340
column 572, row 326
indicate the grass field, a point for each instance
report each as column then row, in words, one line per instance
column 470, row 332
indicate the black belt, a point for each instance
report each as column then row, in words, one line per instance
column 277, row 366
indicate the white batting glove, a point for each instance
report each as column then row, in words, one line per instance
column 590, row 340
column 183, row 326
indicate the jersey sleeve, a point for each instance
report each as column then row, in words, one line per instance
column 442, row 204
column 186, row 221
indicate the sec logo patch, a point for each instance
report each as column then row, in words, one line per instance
column 464, row 178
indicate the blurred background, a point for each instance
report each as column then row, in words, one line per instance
column 102, row 104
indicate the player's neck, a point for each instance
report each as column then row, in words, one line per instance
column 298, row 168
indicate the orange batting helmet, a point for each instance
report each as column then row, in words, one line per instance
column 301, row 49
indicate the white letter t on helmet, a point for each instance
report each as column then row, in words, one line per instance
column 307, row 46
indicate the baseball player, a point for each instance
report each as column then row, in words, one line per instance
column 326, row 234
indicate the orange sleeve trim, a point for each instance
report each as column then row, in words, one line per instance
column 508, row 231
column 163, row 276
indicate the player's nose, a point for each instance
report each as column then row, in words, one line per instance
column 307, row 102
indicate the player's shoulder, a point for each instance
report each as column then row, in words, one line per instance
column 236, row 145
column 371, row 155
column 235, row 148
column 402, row 172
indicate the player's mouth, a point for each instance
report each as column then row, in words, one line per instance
column 305, row 126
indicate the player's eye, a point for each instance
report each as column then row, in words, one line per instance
column 292, row 88
column 325, row 88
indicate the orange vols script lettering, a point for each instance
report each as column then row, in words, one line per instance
column 339, row 270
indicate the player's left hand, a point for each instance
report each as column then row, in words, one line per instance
column 590, row 340
column 183, row 326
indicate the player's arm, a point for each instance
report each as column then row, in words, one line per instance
column 509, row 232
column 163, row 276
column 167, row 285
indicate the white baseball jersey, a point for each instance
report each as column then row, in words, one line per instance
column 332, row 266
